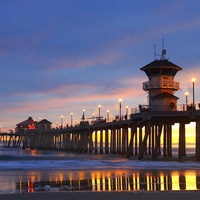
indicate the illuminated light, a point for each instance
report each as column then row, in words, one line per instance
column 120, row 108
column 61, row 118
column 71, row 119
column 99, row 112
column 193, row 79
column 127, row 110
column 193, row 103
column 31, row 126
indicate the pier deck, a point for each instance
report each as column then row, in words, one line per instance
column 140, row 135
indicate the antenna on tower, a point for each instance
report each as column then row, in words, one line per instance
column 163, row 53
column 163, row 50
column 155, row 52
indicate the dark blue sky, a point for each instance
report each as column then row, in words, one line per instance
column 63, row 56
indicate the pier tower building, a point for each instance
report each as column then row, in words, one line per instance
column 161, row 85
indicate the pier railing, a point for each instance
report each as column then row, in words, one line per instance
column 179, row 107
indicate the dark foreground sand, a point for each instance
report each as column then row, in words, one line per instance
column 143, row 195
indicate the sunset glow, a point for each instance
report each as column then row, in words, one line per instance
column 50, row 68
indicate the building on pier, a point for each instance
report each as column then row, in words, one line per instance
column 30, row 124
column 44, row 125
column 161, row 85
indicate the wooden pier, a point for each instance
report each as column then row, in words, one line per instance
column 140, row 135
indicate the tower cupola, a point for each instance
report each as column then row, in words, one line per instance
column 161, row 85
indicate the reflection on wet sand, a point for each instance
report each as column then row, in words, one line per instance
column 114, row 181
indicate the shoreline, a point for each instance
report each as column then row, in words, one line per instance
column 99, row 181
column 136, row 195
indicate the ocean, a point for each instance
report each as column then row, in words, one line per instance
column 35, row 171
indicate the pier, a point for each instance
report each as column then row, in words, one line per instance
column 139, row 133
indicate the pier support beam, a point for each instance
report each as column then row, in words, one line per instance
column 90, row 142
column 140, row 139
column 114, row 141
column 169, row 140
column 181, row 150
column 96, row 144
column 101, row 141
column 130, row 145
column 106, row 141
column 198, row 140
column 144, row 142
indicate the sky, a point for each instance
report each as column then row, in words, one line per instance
column 59, row 57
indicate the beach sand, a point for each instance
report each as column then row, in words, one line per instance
column 140, row 195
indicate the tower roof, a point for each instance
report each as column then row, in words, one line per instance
column 161, row 64
column 44, row 121
column 161, row 67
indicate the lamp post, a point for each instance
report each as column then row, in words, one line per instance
column 120, row 108
column 83, row 116
column 61, row 120
column 193, row 103
column 127, row 110
column 126, row 117
column 186, row 99
column 93, row 117
column 108, row 115
column 99, row 112
column 71, row 119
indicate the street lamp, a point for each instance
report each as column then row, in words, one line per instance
column 127, row 110
column 83, row 116
column 71, row 119
column 99, row 112
column 186, row 99
column 120, row 108
column 93, row 117
column 61, row 120
column 193, row 80
column 108, row 115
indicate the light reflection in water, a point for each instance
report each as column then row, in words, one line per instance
column 114, row 181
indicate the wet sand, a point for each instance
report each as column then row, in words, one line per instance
column 178, row 195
